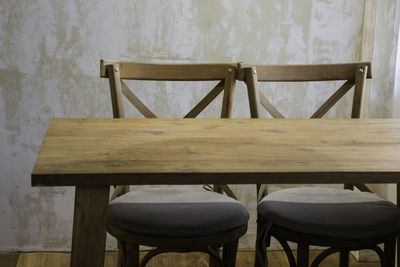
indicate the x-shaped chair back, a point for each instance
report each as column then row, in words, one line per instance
column 117, row 71
column 354, row 75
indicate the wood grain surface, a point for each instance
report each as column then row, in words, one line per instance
column 305, row 72
column 240, row 151
column 171, row 72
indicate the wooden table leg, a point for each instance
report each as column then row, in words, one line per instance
column 89, row 228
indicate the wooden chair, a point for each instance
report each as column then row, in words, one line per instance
column 172, row 219
column 340, row 219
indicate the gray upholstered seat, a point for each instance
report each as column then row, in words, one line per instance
column 331, row 212
column 176, row 213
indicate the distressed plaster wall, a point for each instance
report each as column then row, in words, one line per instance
column 384, row 70
column 384, row 60
column 49, row 67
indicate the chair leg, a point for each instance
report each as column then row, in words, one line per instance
column 212, row 261
column 121, row 254
column 261, row 244
column 344, row 258
column 390, row 252
column 132, row 255
column 303, row 251
column 229, row 253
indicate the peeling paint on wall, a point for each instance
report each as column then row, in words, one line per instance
column 49, row 67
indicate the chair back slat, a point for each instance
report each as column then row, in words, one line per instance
column 168, row 72
column 270, row 108
column 116, row 92
column 227, row 100
column 305, row 72
column 206, row 100
column 253, row 92
column 328, row 104
column 359, row 91
column 147, row 113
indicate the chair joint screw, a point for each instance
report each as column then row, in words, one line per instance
column 361, row 70
column 116, row 70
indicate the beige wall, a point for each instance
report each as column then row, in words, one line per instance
column 49, row 67
column 383, row 103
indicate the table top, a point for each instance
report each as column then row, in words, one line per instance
column 79, row 152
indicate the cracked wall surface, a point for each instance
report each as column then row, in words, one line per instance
column 49, row 67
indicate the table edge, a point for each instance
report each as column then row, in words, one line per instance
column 187, row 178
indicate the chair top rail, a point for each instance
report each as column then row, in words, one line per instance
column 305, row 72
column 168, row 72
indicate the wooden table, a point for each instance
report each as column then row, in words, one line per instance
column 92, row 154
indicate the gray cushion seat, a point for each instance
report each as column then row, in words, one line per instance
column 168, row 212
column 331, row 212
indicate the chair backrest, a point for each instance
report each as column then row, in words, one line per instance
column 117, row 71
column 354, row 74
